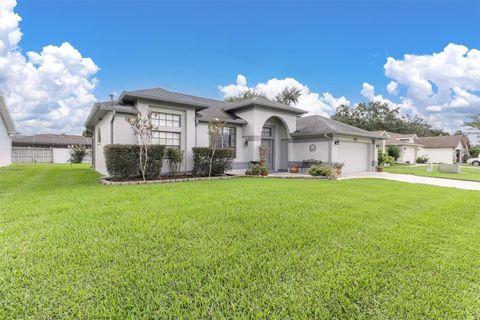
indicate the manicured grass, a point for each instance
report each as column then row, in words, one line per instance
column 241, row 248
column 467, row 172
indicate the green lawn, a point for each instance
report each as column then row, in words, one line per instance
column 240, row 248
column 467, row 173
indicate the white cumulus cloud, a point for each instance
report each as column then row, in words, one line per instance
column 322, row 104
column 47, row 91
column 443, row 86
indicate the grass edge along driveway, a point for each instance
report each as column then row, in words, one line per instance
column 468, row 173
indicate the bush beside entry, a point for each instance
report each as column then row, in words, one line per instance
column 122, row 160
column 324, row 171
column 221, row 160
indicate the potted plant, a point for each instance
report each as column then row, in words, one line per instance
column 263, row 150
column 264, row 171
column 338, row 167
column 293, row 168
column 381, row 160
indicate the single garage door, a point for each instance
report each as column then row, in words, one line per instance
column 354, row 155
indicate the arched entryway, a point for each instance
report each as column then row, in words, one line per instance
column 275, row 135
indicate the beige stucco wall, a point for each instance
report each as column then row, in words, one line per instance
column 5, row 146
column 438, row 155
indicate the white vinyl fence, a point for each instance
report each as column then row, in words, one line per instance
column 32, row 155
column 44, row 155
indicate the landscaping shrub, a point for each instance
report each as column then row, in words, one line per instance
column 155, row 161
column 393, row 151
column 389, row 160
column 381, row 157
column 422, row 159
column 77, row 153
column 221, row 160
column 122, row 160
column 321, row 171
column 175, row 159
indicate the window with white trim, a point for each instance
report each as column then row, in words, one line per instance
column 160, row 119
column 166, row 138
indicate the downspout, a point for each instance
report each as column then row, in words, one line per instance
column 111, row 127
column 329, row 148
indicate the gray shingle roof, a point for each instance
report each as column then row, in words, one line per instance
column 176, row 97
column 207, row 109
column 263, row 102
column 52, row 140
column 101, row 108
column 441, row 141
column 5, row 117
column 318, row 125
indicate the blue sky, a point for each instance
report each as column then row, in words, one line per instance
column 196, row 46
column 193, row 47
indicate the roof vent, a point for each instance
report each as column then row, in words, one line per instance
column 111, row 95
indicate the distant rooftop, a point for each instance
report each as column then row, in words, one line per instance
column 50, row 140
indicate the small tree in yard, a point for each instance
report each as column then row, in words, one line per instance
column 215, row 131
column 393, row 151
column 143, row 128
column 77, row 153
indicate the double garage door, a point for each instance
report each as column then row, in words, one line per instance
column 354, row 155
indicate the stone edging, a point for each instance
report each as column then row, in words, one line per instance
column 107, row 182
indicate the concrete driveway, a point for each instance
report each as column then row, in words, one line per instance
column 459, row 184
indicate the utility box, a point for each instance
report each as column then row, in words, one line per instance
column 449, row 168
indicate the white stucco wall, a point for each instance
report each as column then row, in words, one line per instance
column 5, row 146
column 301, row 149
column 105, row 129
column 438, row 155
column 408, row 154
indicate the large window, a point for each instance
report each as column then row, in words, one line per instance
column 168, row 139
column 228, row 137
column 266, row 132
column 160, row 119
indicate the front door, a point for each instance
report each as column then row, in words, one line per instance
column 269, row 159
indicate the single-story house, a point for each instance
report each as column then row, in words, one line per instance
column 181, row 121
column 48, row 148
column 443, row 149
column 7, row 129
column 406, row 143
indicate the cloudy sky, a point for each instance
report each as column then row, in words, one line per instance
column 57, row 57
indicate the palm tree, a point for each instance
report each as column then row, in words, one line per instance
column 289, row 96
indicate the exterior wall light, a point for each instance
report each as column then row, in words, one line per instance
column 337, row 142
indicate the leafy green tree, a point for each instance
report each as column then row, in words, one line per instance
column 475, row 122
column 289, row 96
column 376, row 115
column 393, row 151
column 475, row 151
column 245, row 95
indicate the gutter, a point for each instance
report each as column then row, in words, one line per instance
column 111, row 126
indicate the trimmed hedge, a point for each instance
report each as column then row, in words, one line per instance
column 122, row 160
column 221, row 161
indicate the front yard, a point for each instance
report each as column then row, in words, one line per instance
column 468, row 173
column 240, row 248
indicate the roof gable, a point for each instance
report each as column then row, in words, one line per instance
column 318, row 125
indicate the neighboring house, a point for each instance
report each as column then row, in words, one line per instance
column 48, row 148
column 7, row 129
column 443, row 149
column 181, row 121
column 406, row 143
